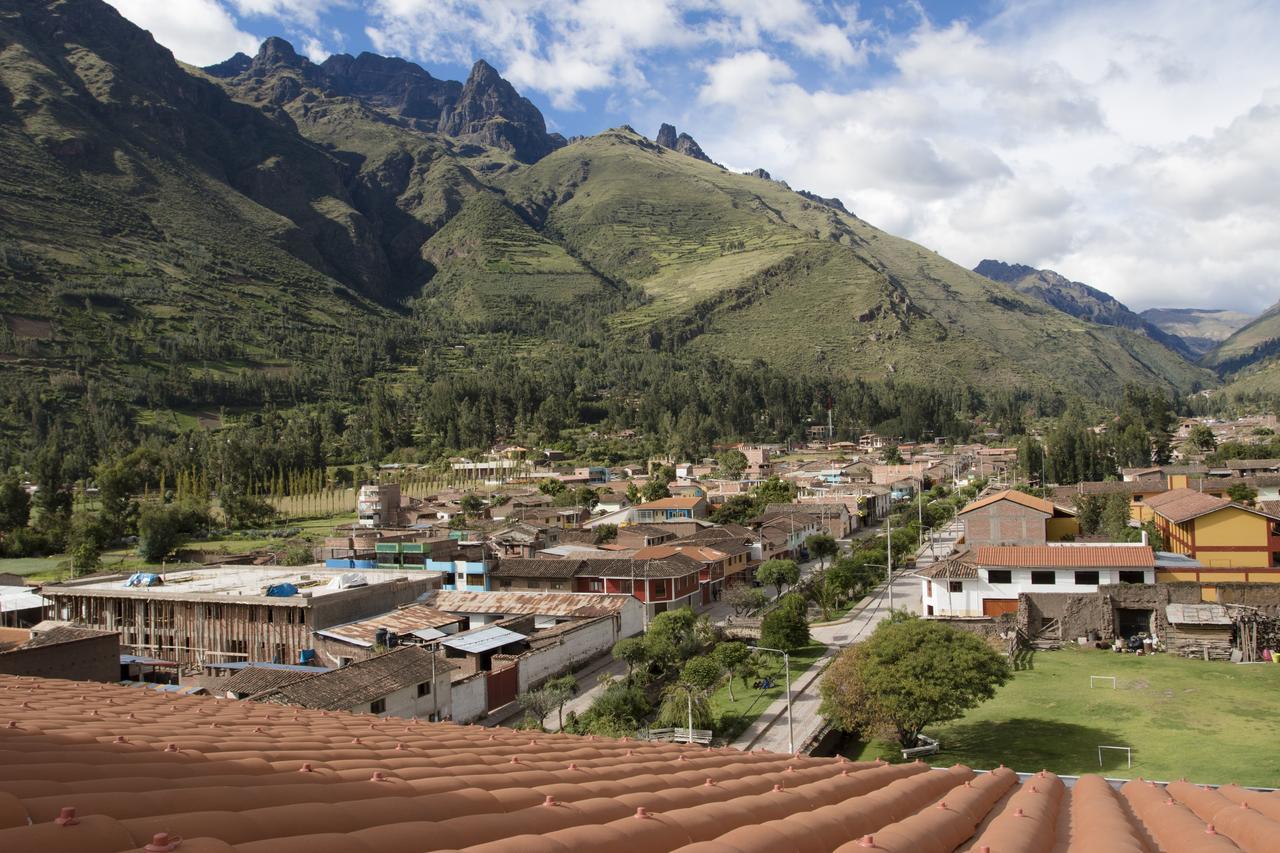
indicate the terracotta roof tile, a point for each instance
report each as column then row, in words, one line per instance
column 244, row 777
column 1065, row 556
column 1021, row 498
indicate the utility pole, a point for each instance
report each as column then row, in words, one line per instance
column 888, row 528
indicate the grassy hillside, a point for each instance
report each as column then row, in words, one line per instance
column 1252, row 344
column 745, row 268
column 1201, row 329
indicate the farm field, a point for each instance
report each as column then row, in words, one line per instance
column 1209, row 722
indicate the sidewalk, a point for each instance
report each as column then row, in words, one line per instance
column 769, row 730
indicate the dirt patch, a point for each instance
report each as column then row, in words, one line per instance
column 29, row 327
column 208, row 420
column 1136, row 684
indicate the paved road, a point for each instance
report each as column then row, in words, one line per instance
column 769, row 731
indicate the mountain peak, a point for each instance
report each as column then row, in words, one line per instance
column 682, row 143
column 483, row 72
column 1000, row 271
column 233, row 67
column 277, row 51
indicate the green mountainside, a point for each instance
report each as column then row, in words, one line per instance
column 1250, row 357
column 743, row 267
column 271, row 230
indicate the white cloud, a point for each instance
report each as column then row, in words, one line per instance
column 1119, row 143
column 567, row 47
column 200, row 32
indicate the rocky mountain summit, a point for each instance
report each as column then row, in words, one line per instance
column 682, row 143
column 1078, row 300
column 485, row 110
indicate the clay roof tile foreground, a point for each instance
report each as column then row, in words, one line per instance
column 101, row 768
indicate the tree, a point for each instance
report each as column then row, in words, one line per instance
column 732, row 463
column 161, row 530
column 731, row 657
column 845, row 575
column 15, row 505
column 780, row 573
column 909, row 674
column 560, row 690
column 633, row 652
column 688, row 695
column 1242, row 493
column 655, row 490
column 471, row 504
column 241, row 509
column 605, row 533
column 786, row 626
column 822, row 546
column 551, row 487
column 744, row 599
column 87, row 537
column 1089, row 511
column 670, row 638
column 536, row 704
column 892, row 456
column 1115, row 518
column 1202, row 438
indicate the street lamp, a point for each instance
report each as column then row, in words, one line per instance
column 786, row 668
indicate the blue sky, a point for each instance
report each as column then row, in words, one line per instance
column 1125, row 143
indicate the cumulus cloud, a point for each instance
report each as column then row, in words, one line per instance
column 200, row 32
column 1127, row 148
column 567, row 47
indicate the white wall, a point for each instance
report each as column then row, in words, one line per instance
column 968, row 603
column 573, row 649
column 470, row 697
column 405, row 702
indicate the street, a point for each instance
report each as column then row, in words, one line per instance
column 769, row 731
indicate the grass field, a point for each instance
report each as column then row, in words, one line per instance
column 1209, row 722
column 28, row 566
column 733, row 717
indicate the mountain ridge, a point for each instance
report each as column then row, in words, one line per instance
column 1201, row 328
column 1079, row 300
column 226, row 228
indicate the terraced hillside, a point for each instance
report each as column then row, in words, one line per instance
column 742, row 266
column 175, row 233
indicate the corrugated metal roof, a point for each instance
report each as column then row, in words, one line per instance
column 483, row 640
column 576, row 604
column 404, row 620
column 1065, row 556
column 1197, row 614
column 15, row 598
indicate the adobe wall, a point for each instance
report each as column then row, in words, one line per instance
column 91, row 659
column 1080, row 613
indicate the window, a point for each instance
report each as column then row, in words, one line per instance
column 624, row 586
column 555, row 585
column 378, row 706
column 504, row 583
column 1086, row 578
column 1133, row 577
column 532, row 584
column 1044, row 578
column 955, row 586
column 999, row 576
column 424, row 689
column 660, row 587
column 595, row 585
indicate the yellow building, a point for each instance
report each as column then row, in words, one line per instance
column 1231, row 541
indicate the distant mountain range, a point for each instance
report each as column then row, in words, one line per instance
column 1201, row 329
column 1243, row 350
column 268, row 213
column 1079, row 300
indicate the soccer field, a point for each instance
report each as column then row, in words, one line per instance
column 1207, row 721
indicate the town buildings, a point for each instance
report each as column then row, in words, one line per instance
column 231, row 613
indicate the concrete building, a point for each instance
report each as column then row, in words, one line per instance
column 232, row 613
column 378, row 505
column 988, row 581
column 1232, row 541
column 659, row 584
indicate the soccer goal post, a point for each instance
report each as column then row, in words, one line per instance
column 1110, row 678
column 1128, row 751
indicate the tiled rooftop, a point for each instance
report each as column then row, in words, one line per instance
column 1109, row 556
column 101, row 768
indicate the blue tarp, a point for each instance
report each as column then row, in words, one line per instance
column 282, row 590
column 143, row 579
